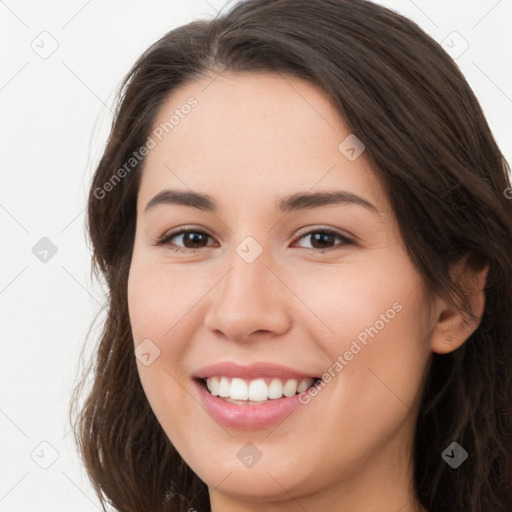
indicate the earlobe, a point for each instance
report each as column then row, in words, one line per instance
column 446, row 337
column 453, row 326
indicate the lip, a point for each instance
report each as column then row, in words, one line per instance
column 247, row 417
column 253, row 371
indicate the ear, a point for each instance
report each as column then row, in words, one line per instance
column 453, row 326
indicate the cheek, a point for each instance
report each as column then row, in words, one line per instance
column 374, row 328
column 155, row 307
column 158, row 297
column 360, row 303
column 164, row 303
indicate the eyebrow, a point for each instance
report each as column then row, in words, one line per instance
column 298, row 201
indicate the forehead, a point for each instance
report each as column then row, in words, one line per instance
column 253, row 130
column 254, row 109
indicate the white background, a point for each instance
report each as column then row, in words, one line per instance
column 55, row 115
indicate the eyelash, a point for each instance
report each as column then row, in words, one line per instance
column 165, row 240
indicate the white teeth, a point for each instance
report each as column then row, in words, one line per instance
column 223, row 387
column 213, row 386
column 303, row 385
column 290, row 388
column 275, row 390
column 256, row 390
column 238, row 390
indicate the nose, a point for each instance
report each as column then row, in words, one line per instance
column 251, row 302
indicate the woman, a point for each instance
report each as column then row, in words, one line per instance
column 301, row 216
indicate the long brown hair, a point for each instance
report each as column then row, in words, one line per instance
column 428, row 141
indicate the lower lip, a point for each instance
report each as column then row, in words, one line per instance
column 249, row 417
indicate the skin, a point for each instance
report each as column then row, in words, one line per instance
column 251, row 139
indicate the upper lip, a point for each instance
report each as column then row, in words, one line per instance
column 252, row 371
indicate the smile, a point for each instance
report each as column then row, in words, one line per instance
column 251, row 397
column 255, row 391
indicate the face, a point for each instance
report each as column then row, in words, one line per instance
column 263, row 293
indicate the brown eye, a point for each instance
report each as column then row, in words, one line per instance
column 191, row 239
column 323, row 239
